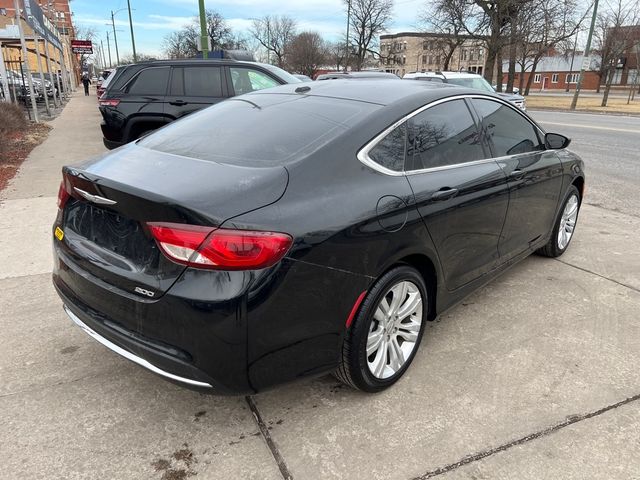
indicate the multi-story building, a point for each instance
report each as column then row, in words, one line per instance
column 406, row 52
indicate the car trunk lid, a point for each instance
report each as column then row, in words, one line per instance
column 114, row 197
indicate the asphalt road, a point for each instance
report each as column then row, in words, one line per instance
column 610, row 148
column 534, row 376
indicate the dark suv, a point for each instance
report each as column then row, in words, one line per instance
column 146, row 96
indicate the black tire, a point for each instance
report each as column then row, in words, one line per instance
column 552, row 249
column 354, row 370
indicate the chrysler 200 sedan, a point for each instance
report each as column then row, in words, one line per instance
column 307, row 229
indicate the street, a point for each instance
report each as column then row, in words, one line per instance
column 533, row 376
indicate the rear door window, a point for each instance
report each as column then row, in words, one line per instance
column 508, row 132
column 202, row 81
column 247, row 80
column 443, row 135
column 150, row 81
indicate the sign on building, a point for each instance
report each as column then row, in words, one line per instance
column 41, row 24
column 81, row 46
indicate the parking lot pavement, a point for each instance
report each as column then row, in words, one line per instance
column 533, row 376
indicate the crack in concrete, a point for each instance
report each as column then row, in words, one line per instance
column 266, row 435
column 570, row 420
column 614, row 210
column 586, row 270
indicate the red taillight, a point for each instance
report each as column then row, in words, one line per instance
column 220, row 249
column 63, row 196
column 109, row 102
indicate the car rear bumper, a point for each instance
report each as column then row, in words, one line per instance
column 132, row 356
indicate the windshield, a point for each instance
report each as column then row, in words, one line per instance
column 477, row 83
column 259, row 130
column 284, row 75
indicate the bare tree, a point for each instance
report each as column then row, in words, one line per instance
column 184, row 43
column 85, row 33
column 446, row 18
column 306, row 53
column 368, row 18
column 616, row 35
column 336, row 54
column 546, row 26
column 275, row 34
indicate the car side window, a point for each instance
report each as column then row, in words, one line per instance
column 247, row 80
column 442, row 135
column 508, row 132
column 150, row 81
column 202, row 82
column 390, row 151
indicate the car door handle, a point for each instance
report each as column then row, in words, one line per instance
column 178, row 103
column 444, row 194
column 517, row 174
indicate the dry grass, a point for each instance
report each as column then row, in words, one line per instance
column 562, row 102
column 12, row 118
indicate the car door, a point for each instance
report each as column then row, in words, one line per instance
column 534, row 175
column 194, row 87
column 145, row 94
column 460, row 192
column 245, row 79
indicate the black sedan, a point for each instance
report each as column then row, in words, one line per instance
column 307, row 229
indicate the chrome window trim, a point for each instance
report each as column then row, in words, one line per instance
column 128, row 355
column 363, row 153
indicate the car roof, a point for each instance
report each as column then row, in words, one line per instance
column 446, row 74
column 380, row 92
column 362, row 74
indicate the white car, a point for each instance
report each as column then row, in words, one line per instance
column 469, row 80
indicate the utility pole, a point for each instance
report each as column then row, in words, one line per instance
column 115, row 37
column 346, row 57
column 133, row 40
column 109, row 49
column 573, row 56
column 585, row 58
column 204, row 36
column 23, row 43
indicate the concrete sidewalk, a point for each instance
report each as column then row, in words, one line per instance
column 534, row 376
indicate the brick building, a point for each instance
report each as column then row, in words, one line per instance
column 556, row 72
column 406, row 52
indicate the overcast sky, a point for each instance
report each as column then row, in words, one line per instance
column 153, row 19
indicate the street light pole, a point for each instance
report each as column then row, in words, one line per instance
column 346, row 57
column 204, row 37
column 109, row 49
column 585, row 58
column 115, row 37
column 133, row 40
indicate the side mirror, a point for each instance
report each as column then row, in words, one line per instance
column 555, row 141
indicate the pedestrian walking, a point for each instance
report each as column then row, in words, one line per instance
column 86, row 81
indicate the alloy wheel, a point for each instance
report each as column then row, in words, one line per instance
column 394, row 330
column 568, row 222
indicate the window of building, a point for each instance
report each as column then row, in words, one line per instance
column 554, row 78
column 389, row 152
column 443, row 135
column 424, row 59
column 572, row 78
column 617, row 76
column 536, row 78
column 508, row 132
column 464, row 54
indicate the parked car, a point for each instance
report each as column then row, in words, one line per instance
column 515, row 89
column 468, row 80
column 102, row 80
column 146, row 96
column 368, row 75
column 102, row 85
column 307, row 229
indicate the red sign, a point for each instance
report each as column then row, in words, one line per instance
column 82, row 46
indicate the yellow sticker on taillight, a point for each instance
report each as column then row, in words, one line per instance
column 59, row 233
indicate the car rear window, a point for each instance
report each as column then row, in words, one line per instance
column 259, row 129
